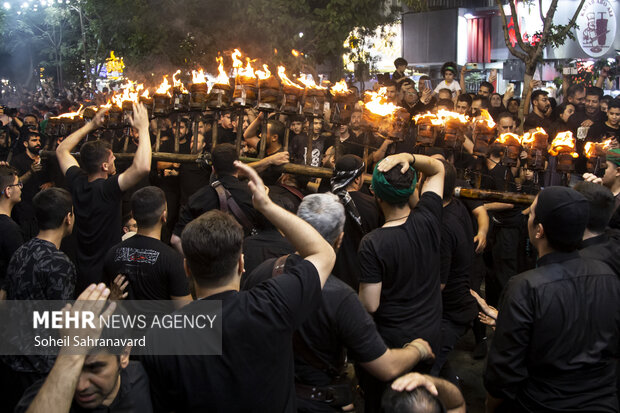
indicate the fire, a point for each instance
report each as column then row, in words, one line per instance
column 590, row 149
column 295, row 53
column 130, row 93
column 285, row 80
column 429, row 118
column 164, row 88
column 529, row 138
column 486, row 118
column 263, row 75
column 198, row 76
column 340, row 88
column 70, row 115
column 309, row 83
column 248, row 70
column 177, row 82
column 222, row 77
column 509, row 138
column 446, row 115
column 378, row 103
column 145, row 95
column 563, row 142
column 237, row 62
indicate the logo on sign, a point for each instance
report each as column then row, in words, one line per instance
column 597, row 27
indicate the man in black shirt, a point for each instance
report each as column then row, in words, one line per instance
column 97, row 191
column 457, row 254
column 556, row 343
column 255, row 370
column 102, row 381
column 10, row 195
column 399, row 280
column 611, row 180
column 153, row 269
column 339, row 325
column 362, row 216
column 601, row 131
column 298, row 147
column 537, row 118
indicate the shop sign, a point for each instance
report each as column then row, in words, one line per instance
column 597, row 27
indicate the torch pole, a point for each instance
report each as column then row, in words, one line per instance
column 239, row 131
column 177, row 135
column 158, row 139
column 310, row 142
column 264, row 136
column 195, row 133
column 287, row 133
column 214, row 130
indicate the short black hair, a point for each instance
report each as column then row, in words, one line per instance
column 615, row 103
column 484, row 102
column 574, row 88
column 487, row 85
column 445, row 90
column 212, row 245
column 447, row 103
column 405, row 81
column 400, row 62
column 147, row 205
column 464, row 97
column 399, row 180
column 277, row 127
column 594, row 91
column 51, row 206
column 504, row 115
column 7, row 176
column 538, row 93
column 416, row 400
column 449, row 66
column 93, row 154
column 606, row 98
column 388, row 83
column 602, row 204
column 224, row 155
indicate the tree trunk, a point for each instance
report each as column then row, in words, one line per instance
column 530, row 70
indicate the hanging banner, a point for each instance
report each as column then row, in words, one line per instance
column 597, row 27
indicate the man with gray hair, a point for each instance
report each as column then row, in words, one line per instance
column 340, row 325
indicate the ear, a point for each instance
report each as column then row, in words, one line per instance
column 241, row 263
column 105, row 166
column 124, row 357
column 338, row 242
column 25, row 143
column 540, row 231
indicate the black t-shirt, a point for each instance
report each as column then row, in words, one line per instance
column 22, row 163
column 266, row 244
column 223, row 136
column 354, row 145
column 173, row 183
column 601, row 131
column 154, row 270
column 288, row 195
column 347, row 266
column 97, row 222
column 533, row 121
column 405, row 259
column 500, row 178
column 298, row 148
column 207, row 199
column 10, row 241
column 457, row 254
column 133, row 395
column 340, row 322
column 255, row 371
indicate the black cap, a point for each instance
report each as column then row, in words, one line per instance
column 348, row 163
column 563, row 213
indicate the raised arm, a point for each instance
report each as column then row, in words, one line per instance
column 431, row 168
column 307, row 241
column 63, row 151
column 142, row 160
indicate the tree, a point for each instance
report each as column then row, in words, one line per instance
column 530, row 53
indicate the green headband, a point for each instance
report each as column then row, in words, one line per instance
column 450, row 68
column 386, row 192
column 613, row 156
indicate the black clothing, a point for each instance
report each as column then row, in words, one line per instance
column 206, row 199
column 556, row 343
column 604, row 248
column 574, row 122
column 533, row 121
column 298, row 148
column 133, row 395
column 457, row 254
column 405, row 259
column 255, row 371
column 9, row 243
column 154, row 270
column 353, row 145
column 340, row 323
column 224, row 135
column 577, row 118
column 268, row 243
column 347, row 266
column 288, row 195
column 601, row 131
column 97, row 222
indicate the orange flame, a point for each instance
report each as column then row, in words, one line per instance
column 285, row 80
column 340, row 88
column 263, row 75
column 486, row 118
column 222, row 77
column 446, row 115
column 248, row 70
column 146, row 94
column 295, row 53
column 198, row 76
column 591, row 147
column 509, row 138
column 309, row 83
column 427, row 117
column 130, row 93
column 563, row 142
column 177, row 82
column 70, row 115
column 237, row 63
column 378, row 103
column 164, row 88
column 529, row 138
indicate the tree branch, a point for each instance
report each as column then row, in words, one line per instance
column 572, row 21
column 516, row 53
column 547, row 24
column 515, row 18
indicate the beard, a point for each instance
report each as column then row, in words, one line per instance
column 35, row 149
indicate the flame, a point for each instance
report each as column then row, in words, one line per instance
column 529, row 138
column 428, row 117
column 222, row 77
column 198, row 76
column 145, row 95
column 263, row 75
column 563, row 142
column 295, row 53
column 340, row 88
column 237, row 63
column 70, row 115
column 130, row 93
column 309, row 83
column 509, row 138
column 177, row 83
column 378, row 103
column 285, row 80
column 164, row 88
column 486, row 118
column 446, row 115
column 590, row 148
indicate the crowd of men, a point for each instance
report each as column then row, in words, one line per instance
column 336, row 295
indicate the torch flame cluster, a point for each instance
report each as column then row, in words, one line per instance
column 591, row 148
column 563, row 143
column 164, row 87
column 509, row 139
column 378, row 103
column 441, row 118
column 529, row 138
